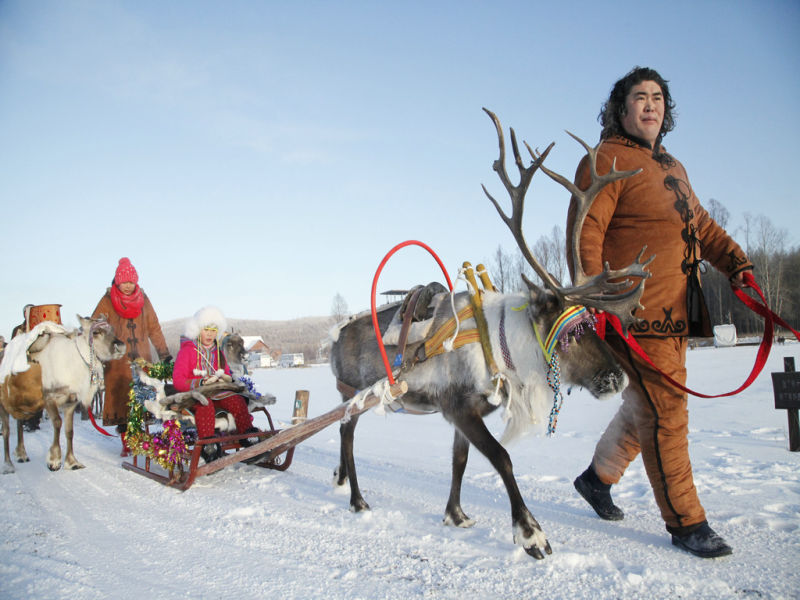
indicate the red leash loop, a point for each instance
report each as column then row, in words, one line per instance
column 375, row 285
column 96, row 426
column 770, row 318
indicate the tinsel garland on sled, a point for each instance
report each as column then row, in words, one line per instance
column 169, row 446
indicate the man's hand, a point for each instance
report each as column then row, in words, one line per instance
column 738, row 280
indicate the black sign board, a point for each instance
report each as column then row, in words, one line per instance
column 786, row 387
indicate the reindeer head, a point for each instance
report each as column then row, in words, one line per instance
column 101, row 337
column 232, row 346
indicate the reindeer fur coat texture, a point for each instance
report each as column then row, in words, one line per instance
column 650, row 208
column 137, row 333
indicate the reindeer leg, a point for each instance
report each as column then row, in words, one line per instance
column 54, row 454
column 347, row 465
column 453, row 513
column 8, row 466
column 70, row 462
column 19, row 451
column 526, row 529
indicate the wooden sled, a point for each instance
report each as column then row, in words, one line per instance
column 275, row 449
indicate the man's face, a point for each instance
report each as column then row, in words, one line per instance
column 644, row 111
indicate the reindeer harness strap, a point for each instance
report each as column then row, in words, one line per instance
column 96, row 376
column 480, row 319
column 435, row 345
column 572, row 321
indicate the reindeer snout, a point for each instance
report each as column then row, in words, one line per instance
column 119, row 349
column 609, row 383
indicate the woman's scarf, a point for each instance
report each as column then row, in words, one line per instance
column 127, row 307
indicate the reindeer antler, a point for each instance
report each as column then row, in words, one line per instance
column 517, row 193
column 610, row 290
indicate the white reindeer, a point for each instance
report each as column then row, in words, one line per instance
column 71, row 372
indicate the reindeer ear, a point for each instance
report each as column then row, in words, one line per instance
column 543, row 297
column 535, row 289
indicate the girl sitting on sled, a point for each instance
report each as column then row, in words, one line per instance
column 200, row 361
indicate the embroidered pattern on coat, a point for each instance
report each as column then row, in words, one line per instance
column 668, row 326
column 735, row 261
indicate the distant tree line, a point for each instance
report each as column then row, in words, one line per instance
column 777, row 271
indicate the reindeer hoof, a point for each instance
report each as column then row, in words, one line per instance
column 8, row 468
column 359, row 505
column 54, row 466
column 75, row 466
column 535, row 552
column 457, row 519
column 339, row 479
column 23, row 460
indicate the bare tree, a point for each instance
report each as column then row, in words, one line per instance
column 768, row 254
column 501, row 270
column 718, row 212
column 715, row 284
column 339, row 309
column 507, row 268
column 553, row 250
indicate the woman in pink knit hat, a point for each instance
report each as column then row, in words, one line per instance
column 130, row 313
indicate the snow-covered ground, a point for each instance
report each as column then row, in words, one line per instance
column 246, row 532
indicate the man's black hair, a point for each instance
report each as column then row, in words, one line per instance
column 613, row 109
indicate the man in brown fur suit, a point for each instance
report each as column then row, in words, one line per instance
column 656, row 208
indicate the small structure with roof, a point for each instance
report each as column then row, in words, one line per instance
column 258, row 353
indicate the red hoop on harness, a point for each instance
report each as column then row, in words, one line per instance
column 375, row 285
column 770, row 319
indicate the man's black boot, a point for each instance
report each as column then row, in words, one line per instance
column 701, row 541
column 598, row 495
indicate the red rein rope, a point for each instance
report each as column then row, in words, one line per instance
column 375, row 285
column 96, row 426
column 770, row 319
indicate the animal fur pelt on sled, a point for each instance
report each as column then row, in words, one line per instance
column 15, row 354
column 176, row 406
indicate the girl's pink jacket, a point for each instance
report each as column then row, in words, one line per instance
column 188, row 359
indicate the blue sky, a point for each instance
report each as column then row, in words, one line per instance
column 264, row 156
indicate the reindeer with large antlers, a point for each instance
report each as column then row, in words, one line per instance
column 460, row 385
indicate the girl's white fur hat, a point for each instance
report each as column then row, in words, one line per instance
column 205, row 317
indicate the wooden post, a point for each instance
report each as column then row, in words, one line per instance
column 794, row 423
column 786, row 387
column 300, row 411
